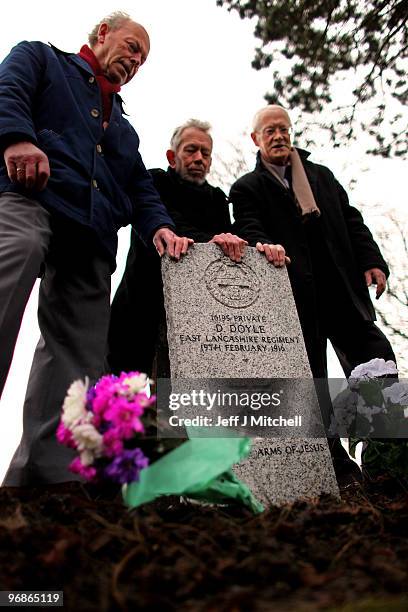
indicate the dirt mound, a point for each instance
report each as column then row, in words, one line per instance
column 349, row 555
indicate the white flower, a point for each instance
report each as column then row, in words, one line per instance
column 406, row 413
column 137, row 383
column 346, row 401
column 397, row 393
column 74, row 404
column 344, row 412
column 88, row 438
column 372, row 369
column 369, row 411
column 86, row 457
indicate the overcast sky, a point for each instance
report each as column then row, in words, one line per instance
column 199, row 66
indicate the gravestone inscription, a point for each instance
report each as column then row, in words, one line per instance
column 239, row 321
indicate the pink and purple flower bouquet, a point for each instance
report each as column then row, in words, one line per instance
column 113, row 428
column 105, row 424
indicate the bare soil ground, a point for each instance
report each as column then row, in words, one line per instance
column 344, row 556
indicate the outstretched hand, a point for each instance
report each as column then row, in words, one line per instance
column 231, row 245
column 168, row 242
column 274, row 253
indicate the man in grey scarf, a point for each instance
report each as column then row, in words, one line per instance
column 291, row 201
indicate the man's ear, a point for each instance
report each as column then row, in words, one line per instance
column 171, row 158
column 102, row 31
column 254, row 137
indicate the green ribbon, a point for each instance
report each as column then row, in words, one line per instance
column 200, row 468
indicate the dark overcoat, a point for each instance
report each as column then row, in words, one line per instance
column 266, row 212
column 199, row 212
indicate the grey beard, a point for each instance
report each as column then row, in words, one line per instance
column 191, row 179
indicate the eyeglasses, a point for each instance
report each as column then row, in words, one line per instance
column 283, row 129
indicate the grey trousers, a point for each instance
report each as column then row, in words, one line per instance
column 73, row 315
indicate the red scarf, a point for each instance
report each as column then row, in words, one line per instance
column 107, row 88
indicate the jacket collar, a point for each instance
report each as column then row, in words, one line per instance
column 260, row 167
column 83, row 65
column 79, row 61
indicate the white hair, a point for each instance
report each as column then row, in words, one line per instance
column 175, row 140
column 258, row 116
column 115, row 21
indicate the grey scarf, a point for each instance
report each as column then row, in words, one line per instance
column 300, row 183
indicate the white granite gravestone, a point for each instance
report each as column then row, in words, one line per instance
column 239, row 321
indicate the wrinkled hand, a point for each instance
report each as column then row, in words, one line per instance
column 375, row 276
column 168, row 242
column 27, row 165
column 274, row 253
column 231, row 245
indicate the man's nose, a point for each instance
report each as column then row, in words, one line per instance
column 198, row 156
column 277, row 133
column 136, row 59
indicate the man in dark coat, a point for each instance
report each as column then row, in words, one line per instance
column 200, row 211
column 301, row 208
column 292, row 201
column 71, row 176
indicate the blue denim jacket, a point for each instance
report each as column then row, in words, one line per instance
column 52, row 99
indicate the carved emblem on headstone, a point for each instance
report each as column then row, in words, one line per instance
column 216, row 310
column 234, row 285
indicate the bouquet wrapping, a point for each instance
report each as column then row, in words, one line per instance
column 112, row 426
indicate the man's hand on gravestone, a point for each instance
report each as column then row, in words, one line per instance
column 231, row 245
column 27, row 165
column 274, row 253
column 168, row 242
column 375, row 276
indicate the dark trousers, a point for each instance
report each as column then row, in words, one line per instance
column 73, row 315
column 137, row 314
column 355, row 341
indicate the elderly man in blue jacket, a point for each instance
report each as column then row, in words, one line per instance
column 70, row 176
